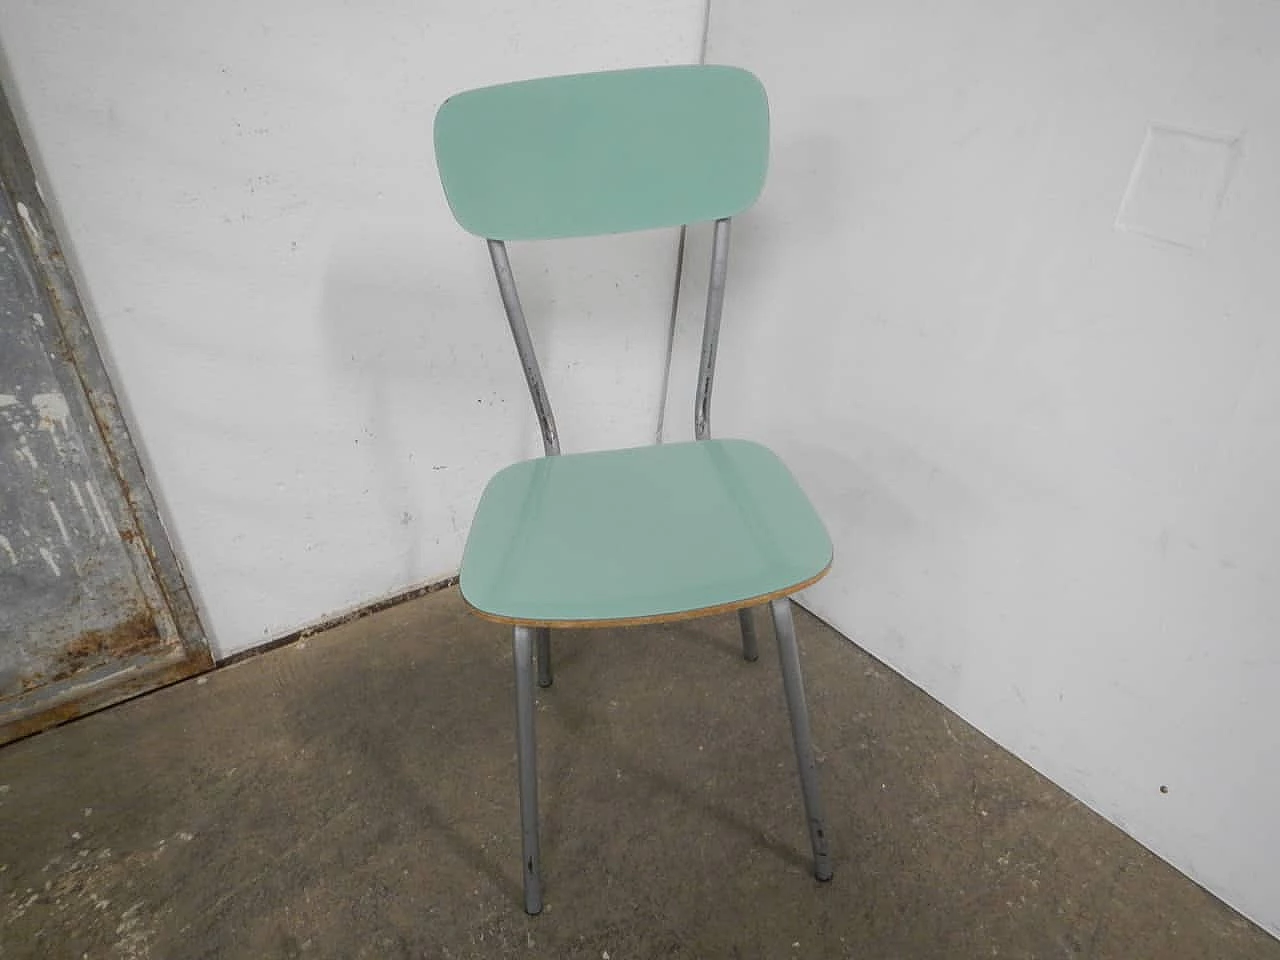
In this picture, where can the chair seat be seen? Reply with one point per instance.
(650, 533)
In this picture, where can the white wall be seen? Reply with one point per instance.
(311, 353)
(1047, 450)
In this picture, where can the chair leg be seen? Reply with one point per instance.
(527, 764)
(793, 685)
(543, 635)
(750, 648)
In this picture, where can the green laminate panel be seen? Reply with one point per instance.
(603, 153)
(644, 532)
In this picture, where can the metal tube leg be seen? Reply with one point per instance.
(526, 762)
(543, 635)
(750, 648)
(793, 684)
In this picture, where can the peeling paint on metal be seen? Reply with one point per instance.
(86, 616)
(25, 214)
(48, 558)
(57, 518)
(84, 509)
(23, 451)
(135, 635)
(52, 409)
(97, 504)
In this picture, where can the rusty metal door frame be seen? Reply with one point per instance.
(134, 506)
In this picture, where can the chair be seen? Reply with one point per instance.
(632, 536)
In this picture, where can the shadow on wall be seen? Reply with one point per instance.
(395, 346)
(884, 503)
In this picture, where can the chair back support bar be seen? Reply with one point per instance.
(524, 347)
(711, 330)
(529, 359)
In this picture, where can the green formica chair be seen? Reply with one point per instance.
(633, 536)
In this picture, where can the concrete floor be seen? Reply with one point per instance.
(353, 795)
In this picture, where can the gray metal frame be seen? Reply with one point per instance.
(524, 346)
(747, 626)
(544, 656)
(132, 503)
(711, 330)
(525, 638)
(793, 687)
(527, 764)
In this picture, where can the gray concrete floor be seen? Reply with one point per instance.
(352, 795)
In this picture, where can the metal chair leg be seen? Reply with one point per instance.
(543, 635)
(793, 685)
(750, 648)
(526, 762)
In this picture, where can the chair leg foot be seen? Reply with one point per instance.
(527, 766)
(543, 635)
(793, 687)
(750, 647)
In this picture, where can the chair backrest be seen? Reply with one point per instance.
(603, 153)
